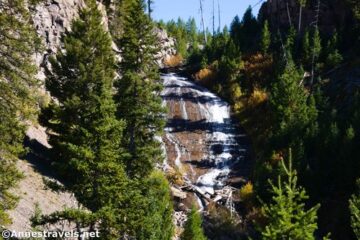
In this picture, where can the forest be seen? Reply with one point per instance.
(126, 132)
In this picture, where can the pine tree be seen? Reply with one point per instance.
(290, 41)
(138, 89)
(235, 30)
(306, 50)
(266, 38)
(355, 211)
(316, 43)
(249, 31)
(287, 215)
(193, 229)
(83, 130)
(334, 57)
(155, 205)
(192, 33)
(17, 90)
(291, 111)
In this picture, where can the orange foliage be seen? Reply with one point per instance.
(205, 76)
(257, 69)
(257, 98)
(173, 61)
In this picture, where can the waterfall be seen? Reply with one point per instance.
(200, 134)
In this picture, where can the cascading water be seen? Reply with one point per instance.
(200, 138)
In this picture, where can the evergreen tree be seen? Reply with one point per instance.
(289, 102)
(266, 38)
(306, 50)
(290, 42)
(193, 229)
(235, 30)
(334, 57)
(287, 216)
(156, 207)
(117, 15)
(249, 31)
(316, 44)
(84, 132)
(17, 90)
(137, 95)
(192, 33)
(355, 211)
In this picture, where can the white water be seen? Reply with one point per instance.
(223, 149)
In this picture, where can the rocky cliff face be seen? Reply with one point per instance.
(280, 13)
(52, 18)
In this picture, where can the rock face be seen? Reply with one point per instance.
(167, 46)
(33, 192)
(52, 18)
(333, 13)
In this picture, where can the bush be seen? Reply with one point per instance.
(246, 192)
(173, 61)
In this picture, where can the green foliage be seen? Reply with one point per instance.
(153, 205)
(290, 41)
(193, 229)
(316, 44)
(85, 134)
(291, 111)
(118, 14)
(306, 53)
(185, 33)
(334, 58)
(287, 215)
(355, 6)
(18, 93)
(266, 38)
(302, 3)
(354, 204)
(139, 87)
(244, 33)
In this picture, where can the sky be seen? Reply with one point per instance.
(172, 9)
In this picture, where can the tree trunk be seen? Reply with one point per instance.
(202, 21)
(300, 19)
(149, 8)
(288, 13)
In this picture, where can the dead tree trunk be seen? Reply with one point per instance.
(213, 18)
(316, 27)
(202, 21)
(219, 13)
(288, 13)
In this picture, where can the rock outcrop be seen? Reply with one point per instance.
(52, 18)
(280, 13)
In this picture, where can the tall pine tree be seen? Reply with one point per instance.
(138, 90)
(287, 215)
(193, 229)
(17, 90)
(265, 38)
(82, 126)
(292, 112)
